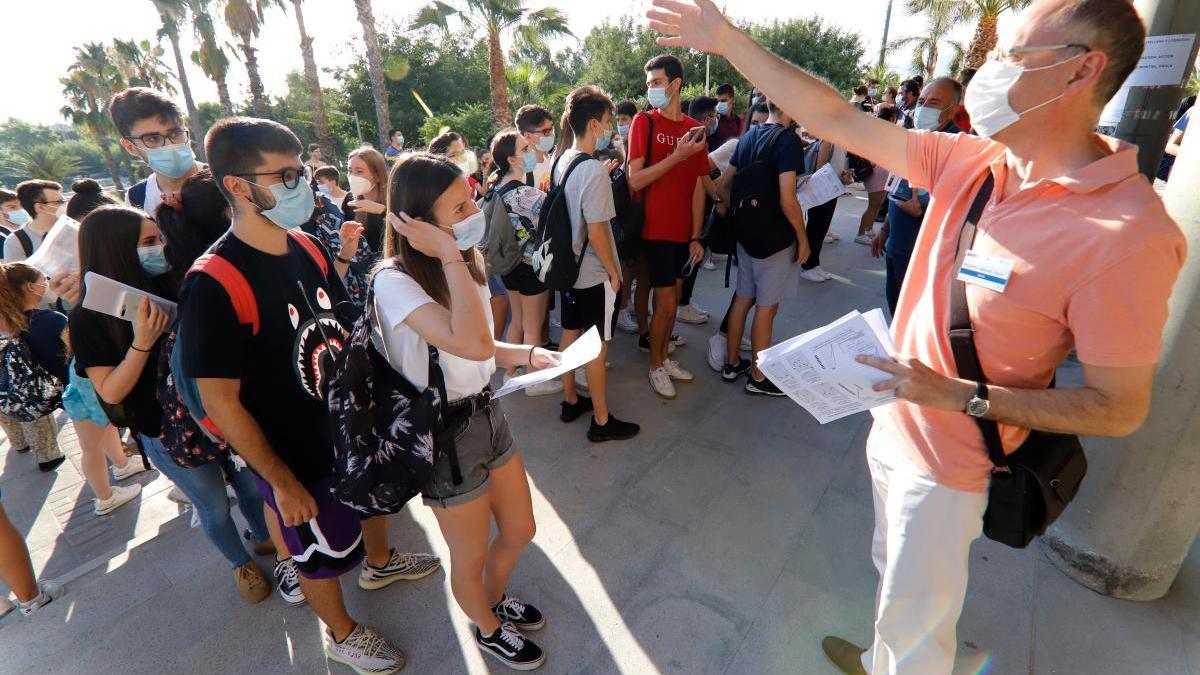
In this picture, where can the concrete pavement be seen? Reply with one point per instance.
(728, 538)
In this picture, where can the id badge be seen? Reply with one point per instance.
(988, 271)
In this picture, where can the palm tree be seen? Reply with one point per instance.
(46, 162)
(383, 116)
(926, 47)
(882, 74)
(210, 57)
(89, 83)
(172, 13)
(324, 133)
(245, 19)
(528, 81)
(497, 16)
(140, 65)
(985, 14)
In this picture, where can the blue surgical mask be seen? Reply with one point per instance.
(398, 141)
(603, 141)
(546, 143)
(926, 118)
(623, 129)
(723, 107)
(528, 161)
(153, 259)
(657, 96)
(18, 217)
(292, 207)
(469, 231)
(171, 160)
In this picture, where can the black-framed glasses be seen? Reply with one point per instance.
(548, 131)
(57, 202)
(157, 140)
(290, 177)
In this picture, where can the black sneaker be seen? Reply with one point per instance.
(521, 614)
(675, 341)
(573, 411)
(511, 647)
(763, 387)
(731, 371)
(47, 467)
(613, 430)
(550, 346)
(644, 342)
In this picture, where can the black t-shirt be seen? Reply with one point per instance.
(99, 340)
(283, 367)
(372, 229)
(45, 338)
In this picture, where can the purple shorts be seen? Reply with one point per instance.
(327, 546)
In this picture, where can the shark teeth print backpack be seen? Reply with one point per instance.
(27, 390)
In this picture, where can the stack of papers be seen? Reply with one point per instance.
(825, 184)
(818, 369)
(59, 250)
(581, 352)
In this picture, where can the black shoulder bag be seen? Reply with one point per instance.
(1032, 486)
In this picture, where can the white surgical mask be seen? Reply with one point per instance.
(324, 189)
(926, 118)
(360, 185)
(469, 231)
(723, 107)
(987, 97)
(657, 96)
(546, 143)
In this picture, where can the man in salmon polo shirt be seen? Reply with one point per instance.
(1093, 258)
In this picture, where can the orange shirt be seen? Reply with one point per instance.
(1095, 254)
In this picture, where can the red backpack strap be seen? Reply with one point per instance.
(245, 306)
(310, 247)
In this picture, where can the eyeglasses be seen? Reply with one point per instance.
(58, 202)
(1016, 54)
(290, 177)
(157, 140)
(548, 131)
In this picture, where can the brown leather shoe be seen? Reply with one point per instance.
(845, 655)
(251, 583)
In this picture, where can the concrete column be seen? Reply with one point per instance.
(1138, 512)
(1148, 113)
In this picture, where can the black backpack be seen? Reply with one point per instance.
(554, 258)
(631, 213)
(762, 228)
(384, 425)
(27, 390)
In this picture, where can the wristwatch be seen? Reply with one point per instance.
(979, 405)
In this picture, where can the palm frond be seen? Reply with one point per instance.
(434, 15)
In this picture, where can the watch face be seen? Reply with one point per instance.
(977, 407)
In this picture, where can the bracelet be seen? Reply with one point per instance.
(342, 260)
(695, 239)
(531, 355)
(451, 262)
(135, 348)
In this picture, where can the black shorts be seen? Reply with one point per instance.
(583, 308)
(665, 261)
(523, 280)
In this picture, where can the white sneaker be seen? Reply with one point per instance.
(134, 466)
(544, 388)
(677, 341)
(626, 322)
(717, 344)
(831, 237)
(691, 314)
(406, 566)
(825, 274)
(677, 372)
(581, 378)
(48, 591)
(709, 265)
(121, 494)
(176, 495)
(814, 275)
(660, 382)
(366, 651)
(745, 345)
(864, 239)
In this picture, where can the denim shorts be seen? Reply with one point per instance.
(496, 285)
(483, 444)
(79, 400)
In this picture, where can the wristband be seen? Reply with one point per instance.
(451, 262)
(531, 355)
(135, 348)
(695, 239)
(342, 260)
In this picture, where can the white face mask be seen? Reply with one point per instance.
(469, 231)
(926, 118)
(360, 185)
(987, 97)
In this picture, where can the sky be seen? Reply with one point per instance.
(44, 53)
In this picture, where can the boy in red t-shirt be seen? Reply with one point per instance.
(671, 187)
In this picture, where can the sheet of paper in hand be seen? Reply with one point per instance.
(818, 369)
(59, 251)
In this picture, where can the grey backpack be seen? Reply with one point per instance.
(503, 251)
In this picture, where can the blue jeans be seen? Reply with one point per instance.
(205, 486)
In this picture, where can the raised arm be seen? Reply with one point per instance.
(804, 97)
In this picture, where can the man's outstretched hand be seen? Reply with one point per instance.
(697, 24)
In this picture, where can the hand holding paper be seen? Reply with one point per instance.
(581, 352)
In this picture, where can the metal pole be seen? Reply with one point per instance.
(1138, 513)
(358, 128)
(1149, 111)
(707, 65)
(887, 22)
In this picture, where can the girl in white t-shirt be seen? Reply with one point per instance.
(432, 289)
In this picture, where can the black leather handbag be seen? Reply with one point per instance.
(1031, 487)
